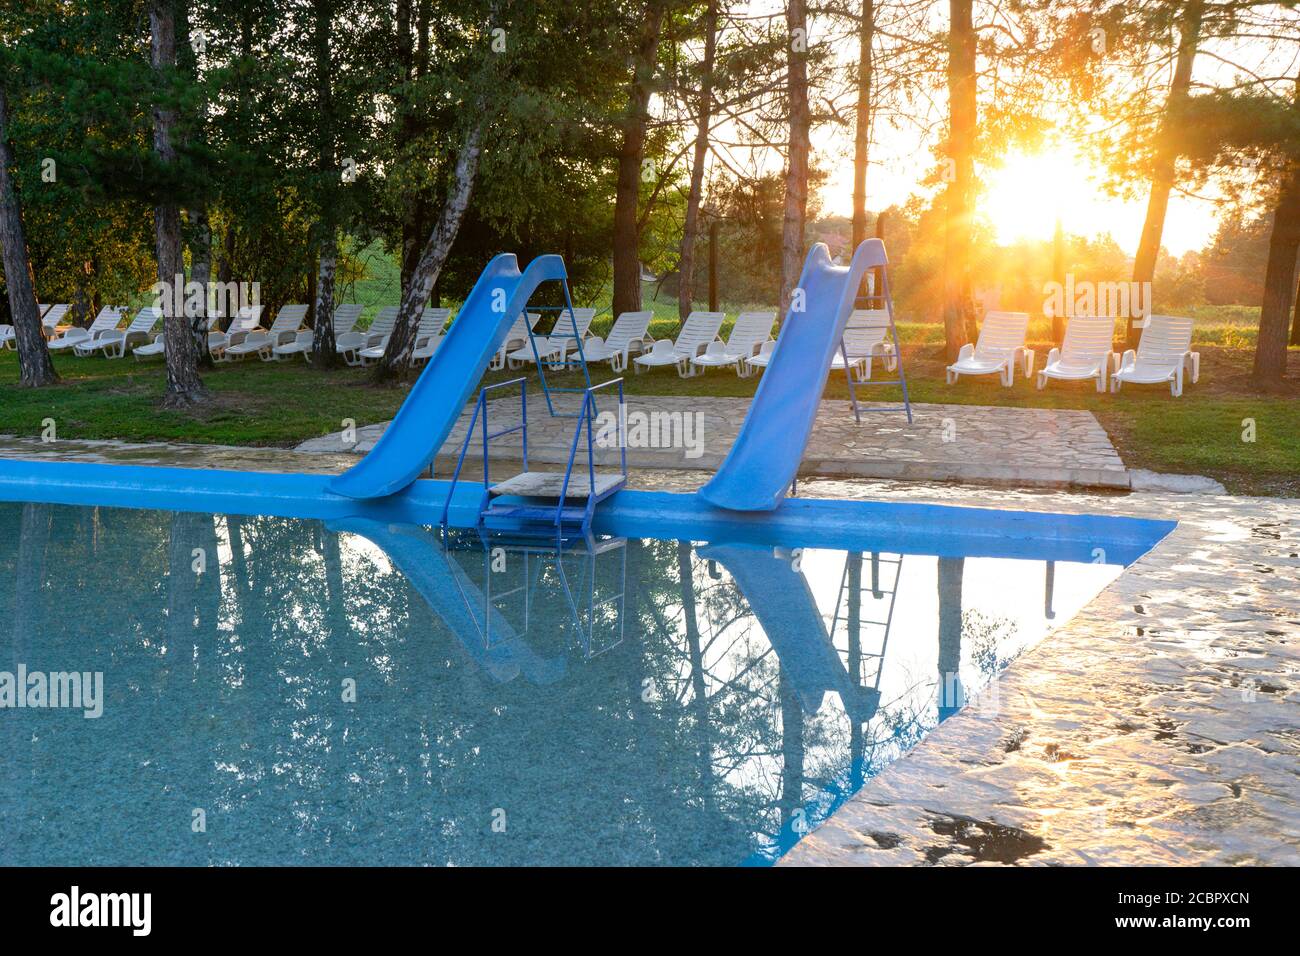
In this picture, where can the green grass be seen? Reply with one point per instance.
(281, 404)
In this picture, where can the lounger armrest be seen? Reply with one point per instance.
(1128, 359)
(255, 337)
(967, 352)
(238, 336)
(1053, 356)
(376, 338)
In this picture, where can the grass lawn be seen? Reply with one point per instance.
(257, 403)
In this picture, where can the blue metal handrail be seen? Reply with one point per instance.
(481, 407)
(585, 416)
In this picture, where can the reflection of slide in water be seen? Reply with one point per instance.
(486, 635)
(783, 602)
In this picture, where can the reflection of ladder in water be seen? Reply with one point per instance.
(525, 586)
(591, 647)
(867, 610)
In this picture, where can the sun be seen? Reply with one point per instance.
(1028, 192)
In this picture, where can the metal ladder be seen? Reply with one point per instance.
(543, 507)
(864, 302)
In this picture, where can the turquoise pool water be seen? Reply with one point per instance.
(279, 691)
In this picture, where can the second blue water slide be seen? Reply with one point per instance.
(765, 457)
(439, 395)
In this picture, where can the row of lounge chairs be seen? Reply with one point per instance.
(1164, 353)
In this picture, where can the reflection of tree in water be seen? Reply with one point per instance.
(986, 635)
(676, 744)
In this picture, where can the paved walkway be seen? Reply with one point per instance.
(1022, 446)
(1160, 726)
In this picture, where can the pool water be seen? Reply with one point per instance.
(279, 691)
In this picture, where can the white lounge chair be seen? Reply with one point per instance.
(50, 315)
(515, 338)
(350, 344)
(699, 329)
(157, 341)
(1164, 354)
(1085, 352)
(747, 336)
(554, 347)
(115, 342)
(345, 320)
(1001, 344)
(260, 341)
(756, 363)
(107, 320)
(864, 340)
(428, 336)
(246, 320)
(626, 336)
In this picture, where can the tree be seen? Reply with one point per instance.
(34, 365)
(1165, 158)
(631, 154)
(796, 177)
(703, 115)
(184, 387)
(958, 306)
(862, 121)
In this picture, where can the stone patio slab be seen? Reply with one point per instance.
(973, 443)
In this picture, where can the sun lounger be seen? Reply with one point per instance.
(1085, 352)
(626, 338)
(1001, 344)
(345, 320)
(749, 333)
(1164, 354)
(699, 329)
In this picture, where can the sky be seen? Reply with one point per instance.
(1028, 192)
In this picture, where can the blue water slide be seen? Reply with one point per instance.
(439, 395)
(765, 457)
(785, 607)
(484, 633)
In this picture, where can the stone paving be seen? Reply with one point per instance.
(1160, 726)
(1021, 446)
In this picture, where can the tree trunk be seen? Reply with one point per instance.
(1295, 322)
(183, 384)
(201, 274)
(323, 352)
(1279, 286)
(862, 122)
(1162, 174)
(704, 110)
(397, 355)
(796, 177)
(627, 230)
(958, 309)
(34, 365)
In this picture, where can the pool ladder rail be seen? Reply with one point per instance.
(543, 503)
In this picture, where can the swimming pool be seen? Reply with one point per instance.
(280, 690)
